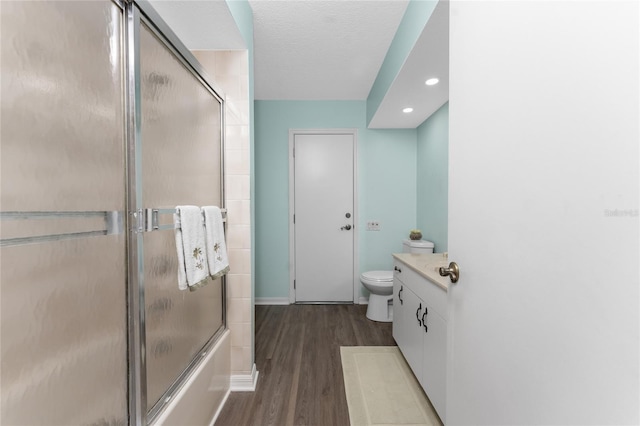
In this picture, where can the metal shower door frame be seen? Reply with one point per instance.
(137, 13)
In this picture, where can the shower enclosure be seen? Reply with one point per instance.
(108, 123)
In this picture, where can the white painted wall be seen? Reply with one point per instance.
(544, 146)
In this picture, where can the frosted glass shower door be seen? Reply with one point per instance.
(63, 274)
(181, 165)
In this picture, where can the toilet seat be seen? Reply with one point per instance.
(378, 277)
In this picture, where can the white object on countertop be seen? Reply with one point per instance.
(417, 246)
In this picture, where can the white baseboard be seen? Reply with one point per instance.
(285, 301)
(272, 301)
(245, 382)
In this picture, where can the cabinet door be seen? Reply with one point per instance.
(399, 314)
(411, 334)
(433, 378)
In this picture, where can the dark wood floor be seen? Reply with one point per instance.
(298, 357)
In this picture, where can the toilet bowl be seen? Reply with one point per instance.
(380, 286)
(380, 283)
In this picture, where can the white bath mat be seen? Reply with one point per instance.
(382, 390)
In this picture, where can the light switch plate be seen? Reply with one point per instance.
(373, 225)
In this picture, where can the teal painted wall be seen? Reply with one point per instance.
(386, 185)
(433, 178)
(415, 18)
(387, 173)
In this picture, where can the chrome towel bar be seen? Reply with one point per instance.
(144, 220)
(148, 220)
(113, 225)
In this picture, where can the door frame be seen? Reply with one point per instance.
(292, 257)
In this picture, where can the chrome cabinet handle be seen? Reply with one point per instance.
(452, 271)
(347, 227)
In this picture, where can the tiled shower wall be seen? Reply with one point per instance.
(230, 71)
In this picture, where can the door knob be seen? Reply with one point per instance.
(452, 271)
(347, 227)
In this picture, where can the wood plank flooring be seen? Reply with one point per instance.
(298, 357)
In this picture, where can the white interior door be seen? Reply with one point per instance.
(543, 213)
(323, 209)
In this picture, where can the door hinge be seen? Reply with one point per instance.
(294, 152)
(294, 284)
(294, 218)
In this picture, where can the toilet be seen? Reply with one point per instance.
(380, 284)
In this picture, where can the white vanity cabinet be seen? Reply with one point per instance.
(420, 329)
(407, 308)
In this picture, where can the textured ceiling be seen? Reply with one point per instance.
(325, 50)
(321, 50)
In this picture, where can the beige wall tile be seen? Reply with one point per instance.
(207, 59)
(237, 335)
(246, 310)
(229, 70)
(246, 357)
(237, 361)
(230, 83)
(239, 286)
(245, 185)
(245, 285)
(237, 187)
(235, 139)
(235, 235)
(239, 212)
(239, 236)
(235, 114)
(246, 334)
(235, 288)
(236, 163)
(239, 261)
(234, 311)
(232, 62)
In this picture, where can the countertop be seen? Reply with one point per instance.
(427, 265)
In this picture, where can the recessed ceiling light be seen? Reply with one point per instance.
(407, 110)
(431, 81)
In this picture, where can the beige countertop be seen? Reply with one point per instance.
(427, 265)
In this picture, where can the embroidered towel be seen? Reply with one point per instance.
(216, 246)
(190, 245)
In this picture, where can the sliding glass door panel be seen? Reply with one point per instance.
(181, 165)
(63, 279)
(63, 333)
(178, 323)
(62, 108)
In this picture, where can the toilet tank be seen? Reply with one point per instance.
(417, 246)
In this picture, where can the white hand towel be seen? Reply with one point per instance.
(193, 270)
(216, 246)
